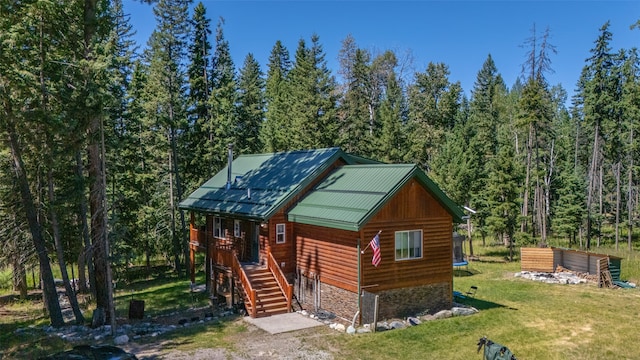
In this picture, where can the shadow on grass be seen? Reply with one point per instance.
(465, 272)
(162, 299)
(482, 304)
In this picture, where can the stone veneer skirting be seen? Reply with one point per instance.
(342, 303)
(395, 303)
(400, 303)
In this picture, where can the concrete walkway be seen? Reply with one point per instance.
(277, 324)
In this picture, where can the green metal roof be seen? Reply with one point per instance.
(262, 183)
(352, 194)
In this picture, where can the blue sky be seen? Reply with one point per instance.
(458, 33)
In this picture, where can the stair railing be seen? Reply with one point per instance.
(286, 288)
(246, 284)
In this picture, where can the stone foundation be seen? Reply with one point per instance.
(400, 303)
(342, 303)
(395, 303)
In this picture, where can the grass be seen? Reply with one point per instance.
(535, 320)
(161, 292)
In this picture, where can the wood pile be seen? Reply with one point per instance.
(582, 275)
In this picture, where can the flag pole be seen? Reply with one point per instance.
(369, 244)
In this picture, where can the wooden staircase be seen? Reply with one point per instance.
(270, 299)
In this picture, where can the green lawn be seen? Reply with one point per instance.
(535, 320)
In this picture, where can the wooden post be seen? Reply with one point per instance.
(192, 250)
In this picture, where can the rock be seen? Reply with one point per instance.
(397, 325)
(463, 311)
(363, 330)
(443, 314)
(414, 321)
(351, 330)
(304, 312)
(121, 340)
(182, 321)
(340, 327)
(428, 317)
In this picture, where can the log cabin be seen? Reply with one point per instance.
(297, 227)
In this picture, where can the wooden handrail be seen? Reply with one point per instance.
(246, 284)
(286, 288)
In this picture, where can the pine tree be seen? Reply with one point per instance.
(503, 192)
(251, 107)
(356, 133)
(630, 105)
(274, 133)
(168, 104)
(482, 125)
(222, 102)
(120, 133)
(433, 105)
(392, 144)
(569, 208)
(199, 72)
(597, 100)
(313, 100)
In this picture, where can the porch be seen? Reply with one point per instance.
(262, 286)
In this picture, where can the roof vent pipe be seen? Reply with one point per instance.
(229, 161)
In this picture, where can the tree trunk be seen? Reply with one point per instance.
(71, 295)
(175, 241)
(590, 188)
(630, 194)
(98, 232)
(19, 276)
(103, 286)
(618, 200)
(49, 288)
(87, 251)
(601, 204)
(181, 241)
(525, 198)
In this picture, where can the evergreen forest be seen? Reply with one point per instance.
(102, 139)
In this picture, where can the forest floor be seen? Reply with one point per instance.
(229, 336)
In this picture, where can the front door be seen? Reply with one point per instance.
(254, 245)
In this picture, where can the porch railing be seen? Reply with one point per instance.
(246, 284)
(286, 288)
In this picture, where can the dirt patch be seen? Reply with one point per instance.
(253, 343)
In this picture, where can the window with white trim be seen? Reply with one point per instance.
(236, 228)
(408, 244)
(218, 230)
(280, 234)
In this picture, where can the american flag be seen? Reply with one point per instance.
(375, 245)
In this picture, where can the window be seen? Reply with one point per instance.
(218, 230)
(280, 234)
(408, 244)
(236, 228)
